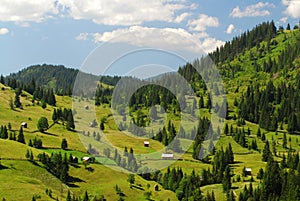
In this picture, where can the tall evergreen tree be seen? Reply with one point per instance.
(267, 154)
(21, 138)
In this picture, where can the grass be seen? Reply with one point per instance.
(21, 180)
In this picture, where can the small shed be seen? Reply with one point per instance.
(167, 156)
(86, 107)
(146, 144)
(24, 124)
(248, 171)
(88, 159)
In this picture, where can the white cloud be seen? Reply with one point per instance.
(163, 38)
(284, 19)
(203, 22)
(202, 34)
(181, 17)
(82, 36)
(230, 29)
(210, 44)
(27, 10)
(293, 8)
(4, 31)
(115, 12)
(254, 10)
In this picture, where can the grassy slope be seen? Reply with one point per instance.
(23, 179)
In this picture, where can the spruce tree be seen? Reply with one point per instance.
(267, 155)
(64, 144)
(226, 180)
(21, 136)
(85, 196)
(284, 141)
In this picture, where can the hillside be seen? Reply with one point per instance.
(59, 78)
(261, 73)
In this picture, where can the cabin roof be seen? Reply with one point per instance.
(167, 155)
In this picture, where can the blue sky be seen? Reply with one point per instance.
(67, 31)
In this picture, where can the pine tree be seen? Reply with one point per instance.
(70, 121)
(27, 155)
(21, 136)
(272, 181)
(226, 180)
(284, 141)
(260, 174)
(85, 196)
(267, 155)
(17, 102)
(102, 126)
(54, 115)
(226, 129)
(292, 123)
(2, 79)
(30, 143)
(11, 104)
(69, 196)
(258, 134)
(64, 144)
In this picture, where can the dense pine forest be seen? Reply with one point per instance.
(260, 71)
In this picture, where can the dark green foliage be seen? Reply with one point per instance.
(266, 30)
(42, 75)
(267, 154)
(131, 179)
(201, 133)
(227, 180)
(21, 137)
(17, 102)
(56, 165)
(64, 115)
(102, 126)
(3, 132)
(284, 141)
(42, 124)
(36, 143)
(240, 137)
(254, 145)
(226, 129)
(70, 121)
(272, 181)
(260, 174)
(128, 162)
(64, 144)
(2, 81)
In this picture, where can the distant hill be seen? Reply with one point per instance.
(58, 77)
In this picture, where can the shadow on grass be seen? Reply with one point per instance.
(137, 187)
(74, 165)
(72, 185)
(75, 179)
(2, 167)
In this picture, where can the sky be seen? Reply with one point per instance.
(68, 32)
